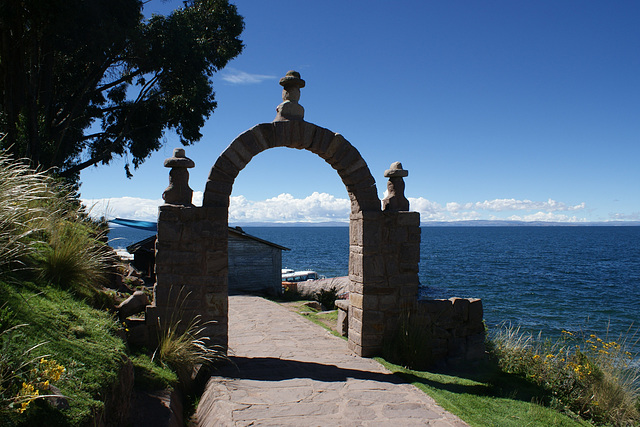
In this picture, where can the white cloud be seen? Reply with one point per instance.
(323, 207)
(318, 207)
(238, 77)
(546, 217)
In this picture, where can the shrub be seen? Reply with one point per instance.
(587, 375)
(327, 297)
(75, 257)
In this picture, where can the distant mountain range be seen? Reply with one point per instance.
(471, 223)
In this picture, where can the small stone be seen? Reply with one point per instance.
(136, 303)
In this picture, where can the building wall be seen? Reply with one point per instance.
(254, 267)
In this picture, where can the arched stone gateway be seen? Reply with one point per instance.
(384, 245)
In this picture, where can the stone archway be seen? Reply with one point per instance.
(191, 248)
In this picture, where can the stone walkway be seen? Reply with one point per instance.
(290, 372)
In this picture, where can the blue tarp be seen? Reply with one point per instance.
(142, 225)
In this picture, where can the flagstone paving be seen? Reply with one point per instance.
(291, 372)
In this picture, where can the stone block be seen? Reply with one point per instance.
(169, 231)
(263, 134)
(217, 304)
(240, 148)
(251, 144)
(349, 159)
(388, 302)
(213, 199)
(356, 284)
(357, 172)
(225, 165)
(234, 157)
(337, 143)
(356, 300)
(457, 347)
(343, 322)
(411, 219)
(321, 140)
(373, 266)
(475, 311)
(216, 263)
(461, 308)
(219, 186)
(168, 213)
(282, 134)
(179, 258)
(475, 347)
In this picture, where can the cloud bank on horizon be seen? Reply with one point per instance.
(323, 207)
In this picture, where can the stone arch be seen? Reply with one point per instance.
(330, 146)
(354, 173)
(191, 245)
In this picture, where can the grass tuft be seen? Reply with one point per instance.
(183, 347)
(584, 374)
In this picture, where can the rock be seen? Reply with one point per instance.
(343, 317)
(56, 399)
(136, 303)
(313, 304)
(310, 288)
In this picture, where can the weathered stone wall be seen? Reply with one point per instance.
(454, 328)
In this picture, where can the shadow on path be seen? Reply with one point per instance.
(273, 369)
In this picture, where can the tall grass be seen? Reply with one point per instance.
(75, 257)
(43, 227)
(23, 212)
(585, 374)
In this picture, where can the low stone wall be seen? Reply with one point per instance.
(455, 329)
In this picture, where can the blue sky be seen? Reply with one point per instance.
(523, 110)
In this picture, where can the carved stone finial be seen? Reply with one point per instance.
(395, 200)
(178, 191)
(289, 109)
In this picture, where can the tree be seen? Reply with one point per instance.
(83, 81)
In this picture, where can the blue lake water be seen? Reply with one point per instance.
(542, 278)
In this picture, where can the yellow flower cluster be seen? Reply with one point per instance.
(27, 394)
(51, 370)
(45, 372)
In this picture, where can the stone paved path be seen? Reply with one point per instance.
(291, 372)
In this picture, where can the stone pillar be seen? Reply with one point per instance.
(191, 260)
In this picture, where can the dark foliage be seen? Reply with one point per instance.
(84, 81)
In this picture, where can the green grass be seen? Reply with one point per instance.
(486, 398)
(82, 339)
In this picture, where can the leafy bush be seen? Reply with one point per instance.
(587, 375)
(327, 297)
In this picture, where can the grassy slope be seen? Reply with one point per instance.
(84, 340)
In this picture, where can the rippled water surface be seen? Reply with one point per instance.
(543, 278)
